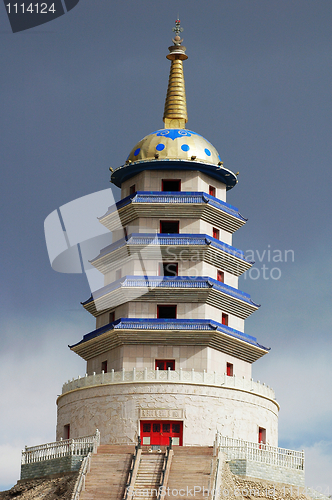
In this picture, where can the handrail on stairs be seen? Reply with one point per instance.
(165, 471)
(80, 481)
(133, 471)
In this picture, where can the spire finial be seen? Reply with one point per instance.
(177, 27)
(175, 112)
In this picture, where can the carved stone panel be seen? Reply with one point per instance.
(161, 414)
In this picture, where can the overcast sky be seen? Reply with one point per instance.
(78, 93)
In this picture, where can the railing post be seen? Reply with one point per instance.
(215, 445)
(134, 374)
(157, 373)
(96, 441)
(72, 446)
(193, 374)
(112, 375)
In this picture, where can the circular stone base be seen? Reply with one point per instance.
(117, 409)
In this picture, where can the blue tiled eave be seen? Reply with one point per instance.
(171, 282)
(172, 239)
(175, 197)
(218, 172)
(171, 324)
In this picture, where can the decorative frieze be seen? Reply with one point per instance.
(161, 414)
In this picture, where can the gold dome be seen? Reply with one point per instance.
(174, 144)
(174, 147)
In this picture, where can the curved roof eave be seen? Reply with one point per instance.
(218, 172)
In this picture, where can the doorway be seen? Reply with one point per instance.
(158, 432)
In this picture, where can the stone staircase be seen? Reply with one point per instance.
(108, 473)
(190, 472)
(148, 476)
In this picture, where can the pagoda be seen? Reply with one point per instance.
(169, 356)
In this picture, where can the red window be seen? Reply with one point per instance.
(104, 366)
(66, 431)
(220, 276)
(176, 428)
(164, 364)
(171, 185)
(229, 369)
(212, 190)
(111, 317)
(132, 189)
(159, 432)
(262, 435)
(155, 427)
(168, 269)
(169, 226)
(215, 233)
(146, 428)
(224, 319)
(166, 311)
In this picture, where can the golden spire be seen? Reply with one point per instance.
(175, 112)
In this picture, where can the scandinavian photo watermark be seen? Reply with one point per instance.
(267, 263)
(77, 241)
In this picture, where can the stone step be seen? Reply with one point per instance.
(192, 450)
(144, 475)
(148, 476)
(108, 473)
(116, 449)
(191, 467)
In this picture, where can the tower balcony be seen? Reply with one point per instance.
(172, 332)
(180, 376)
(181, 247)
(169, 289)
(196, 205)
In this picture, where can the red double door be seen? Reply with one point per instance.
(158, 432)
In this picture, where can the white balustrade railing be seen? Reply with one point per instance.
(173, 376)
(66, 447)
(258, 452)
(80, 482)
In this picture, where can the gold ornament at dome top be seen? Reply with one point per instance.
(175, 111)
